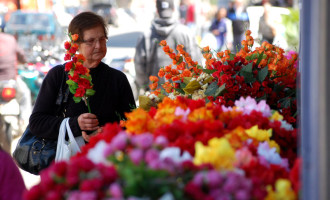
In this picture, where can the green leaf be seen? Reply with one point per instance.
(90, 92)
(181, 91)
(70, 82)
(247, 68)
(285, 103)
(248, 77)
(208, 80)
(186, 80)
(211, 89)
(220, 90)
(209, 71)
(231, 56)
(192, 86)
(72, 89)
(260, 58)
(262, 74)
(77, 99)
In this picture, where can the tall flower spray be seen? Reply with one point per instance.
(80, 81)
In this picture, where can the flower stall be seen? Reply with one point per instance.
(223, 131)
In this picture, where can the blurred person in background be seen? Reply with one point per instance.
(149, 56)
(11, 55)
(221, 28)
(12, 185)
(240, 22)
(267, 30)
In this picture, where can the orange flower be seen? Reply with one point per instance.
(206, 49)
(163, 43)
(153, 79)
(161, 73)
(153, 86)
(74, 37)
(186, 73)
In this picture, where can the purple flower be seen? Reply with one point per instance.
(161, 141)
(143, 141)
(115, 190)
(78, 195)
(199, 178)
(231, 182)
(120, 141)
(242, 195)
(214, 178)
(136, 155)
(151, 155)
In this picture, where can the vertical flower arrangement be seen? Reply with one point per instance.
(80, 81)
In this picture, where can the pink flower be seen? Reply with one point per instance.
(136, 155)
(143, 141)
(151, 155)
(161, 141)
(115, 190)
(119, 142)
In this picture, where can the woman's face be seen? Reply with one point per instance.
(93, 47)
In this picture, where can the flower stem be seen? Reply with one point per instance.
(89, 108)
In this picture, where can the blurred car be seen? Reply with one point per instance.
(39, 26)
(107, 11)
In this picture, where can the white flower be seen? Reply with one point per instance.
(96, 154)
(174, 153)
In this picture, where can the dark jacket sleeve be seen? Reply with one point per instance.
(43, 120)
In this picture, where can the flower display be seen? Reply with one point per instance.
(80, 81)
(184, 149)
(264, 73)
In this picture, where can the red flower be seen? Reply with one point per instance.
(67, 45)
(84, 83)
(80, 92)
(67, 57)
(68, 66)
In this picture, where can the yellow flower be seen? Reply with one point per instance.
(259, 134)
(276, 116)
(200, 114)
(218, 153)
(283, 190)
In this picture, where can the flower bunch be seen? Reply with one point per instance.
(80, 81)
(188, 149)
(264, 73)
(78, 179)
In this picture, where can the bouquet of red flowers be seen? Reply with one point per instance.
(80, 81)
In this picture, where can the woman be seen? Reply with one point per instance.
(113, 95)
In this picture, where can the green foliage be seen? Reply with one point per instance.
(142, 181)
(291, 24)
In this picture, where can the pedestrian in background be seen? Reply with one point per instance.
(221, 28)
(149, 56)
(240, 22)
(10, 56)
(267, 30)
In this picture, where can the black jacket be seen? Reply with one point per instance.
(113, 97)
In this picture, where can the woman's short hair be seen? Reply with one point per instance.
(85, 21)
